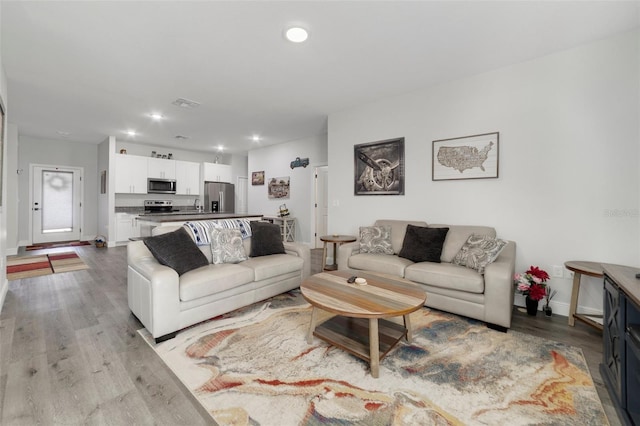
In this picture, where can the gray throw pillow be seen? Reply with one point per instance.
(423, 244)
(226, 246)
(479, 251)
(176, 250)
(266, 239)
(375, 239)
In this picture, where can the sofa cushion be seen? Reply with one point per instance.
(226, 246)
(265, 267)
(266, 239)
(398, 229)
(423, 244)
(457, 236)
(375, 239)
(445, 275)
(213, 279)
(176, 250)
(479, 251)
(387, 263)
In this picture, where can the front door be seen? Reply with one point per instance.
(56, 203)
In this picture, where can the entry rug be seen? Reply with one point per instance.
(34, 266)
(57, 245)
(254, 367)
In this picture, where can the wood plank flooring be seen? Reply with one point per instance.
(70, 353)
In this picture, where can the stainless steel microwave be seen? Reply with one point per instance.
(161, 186)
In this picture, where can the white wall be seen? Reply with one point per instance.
(275, 161)
(11, 195)
(569, 149)
(60, 153)
(4, 284)
(106, 200)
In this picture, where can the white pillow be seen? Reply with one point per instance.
(375, 239)
(226, 246)
(479, 251)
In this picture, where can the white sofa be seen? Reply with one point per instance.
(486, 297)
(165, 302)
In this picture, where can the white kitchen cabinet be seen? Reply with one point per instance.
(131, 174)
(216, 172)
(187, 178)
(127, 226)
(160, 168)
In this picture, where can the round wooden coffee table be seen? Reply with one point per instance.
(359, 326)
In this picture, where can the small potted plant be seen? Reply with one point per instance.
(547, 307)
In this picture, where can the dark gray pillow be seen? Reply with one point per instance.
(176, 250)
(423, 244)
(266, 239)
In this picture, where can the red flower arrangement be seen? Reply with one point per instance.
(532, 283)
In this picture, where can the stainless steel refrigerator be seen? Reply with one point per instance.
(219, 197)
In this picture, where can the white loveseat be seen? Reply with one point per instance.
(486, 297)
(165, 302)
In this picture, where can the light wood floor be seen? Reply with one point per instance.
(70, 353)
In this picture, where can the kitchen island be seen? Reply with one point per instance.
(148, 221)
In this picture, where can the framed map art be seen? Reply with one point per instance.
(466, 157)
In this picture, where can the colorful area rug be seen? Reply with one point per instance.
(34, 266)
(254, 367)
(57, 245)
(27, 267)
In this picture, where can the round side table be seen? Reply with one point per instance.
(336, 240)
(579, 268)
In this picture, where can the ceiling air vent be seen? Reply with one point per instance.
(181, 137)
(185, 103)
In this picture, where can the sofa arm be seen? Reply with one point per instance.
(345, 251)
(302, 251)
(153, 291)
(498, 287)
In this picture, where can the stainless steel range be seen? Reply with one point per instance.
(158, 206)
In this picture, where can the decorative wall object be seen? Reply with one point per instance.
(379, 168)
(257, 178)
(299, 162)
(467, 157)
(279, 187)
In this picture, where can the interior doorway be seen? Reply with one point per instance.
(56, 203)
(321, 211)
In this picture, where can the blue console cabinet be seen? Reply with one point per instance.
(620, 366)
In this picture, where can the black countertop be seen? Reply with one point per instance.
(185, 217)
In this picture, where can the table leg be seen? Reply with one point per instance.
(324, 256)
(575, 291)
(312, 326)
(407, 325)
(374, 347)
(335, 256)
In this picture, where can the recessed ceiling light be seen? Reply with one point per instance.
(156, 116)
(220, 147)
(255, 138)
(297, 34)
(63, 133)
(131, 132)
